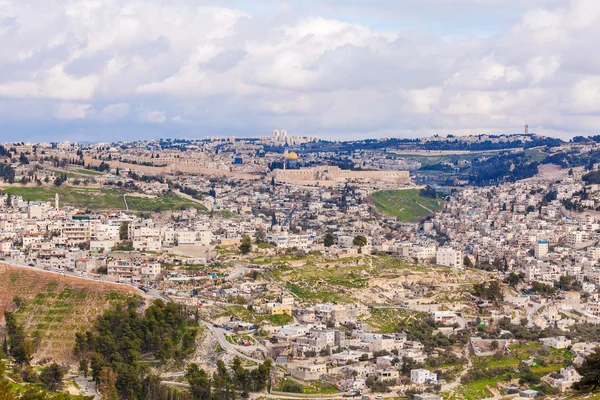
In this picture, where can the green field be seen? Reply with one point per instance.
(406, 205)
(102, 199)
(88, 172)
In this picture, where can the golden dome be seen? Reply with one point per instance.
(292, 156)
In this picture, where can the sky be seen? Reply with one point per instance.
(107, 70)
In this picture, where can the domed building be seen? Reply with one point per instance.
(291, 160)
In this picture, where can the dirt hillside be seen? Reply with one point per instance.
(55, 307)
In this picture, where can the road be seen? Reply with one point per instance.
(225, 345)
(457, 381)
(240, 272)
(86, 387)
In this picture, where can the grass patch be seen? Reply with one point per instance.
(406, 205)
(88, 172)
(387, 320)
(103, 199)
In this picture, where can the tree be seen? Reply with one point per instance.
(8, 200)
(589, 371)
(328, 239)
(83, 366)
(23, 159)
(467, 262)
(514, 279)
(52, 376)
(198, 381)
(107, 387)
(360, 241)
(19, 347)
(260, 236)
(246, 245)
(124, 231)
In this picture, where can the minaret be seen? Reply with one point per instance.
(526, 129)
(56, 202)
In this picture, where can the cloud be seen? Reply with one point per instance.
(154, 116)
(368, 68)
(71, 110)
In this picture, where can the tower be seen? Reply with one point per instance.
(526, 129)
(56, 202)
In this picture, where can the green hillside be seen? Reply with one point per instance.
(102, 199)
(406, 205)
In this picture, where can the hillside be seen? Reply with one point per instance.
(406, 205)
(103, 199)
(54, 307)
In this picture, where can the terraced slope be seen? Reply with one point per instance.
(55, 307)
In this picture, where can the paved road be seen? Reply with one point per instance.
(240, 272)
(228, 347)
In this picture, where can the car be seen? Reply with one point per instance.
(379, 396)
(46, 268)
(31, 265)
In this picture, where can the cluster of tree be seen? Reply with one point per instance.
(60, 179)
(360, 241)
(484, 373)
(102, 167)
(328, 239)
(572, 158)
(491, 291)
(590, 372)
(592, 177)
(246, 245)
(442, 167)
(20, 348)
(7, 173)
(514, 279)
(550, 196)
(224, 383)
(428, 191)
(421, 328)
(113, 350)
(542, 288)
(568, 283)
(502, 167)
(146, 178)
(379, 385)
(23, 159)
(196, 194)
(18, 345)
(489, 145)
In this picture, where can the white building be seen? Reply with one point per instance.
(422, 376)
(541, 248)
(449, 257)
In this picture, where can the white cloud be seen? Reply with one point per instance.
(224, 68)
(154, 116)
(71, 110)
